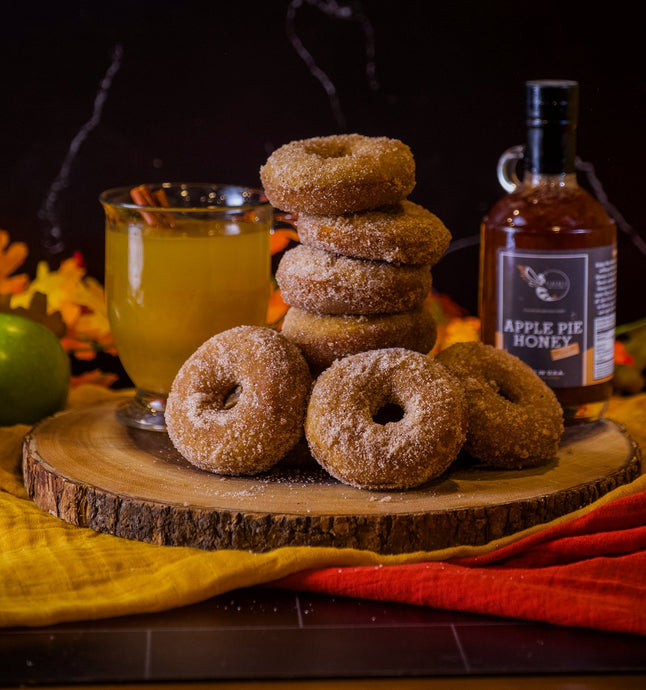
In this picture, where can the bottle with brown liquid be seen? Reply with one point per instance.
(548, 261)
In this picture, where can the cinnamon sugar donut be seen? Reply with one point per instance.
(319, 281)
(237, 405)
(341, 173)
(402, 234)
(515, 419)
(324, 337)
(346, 437)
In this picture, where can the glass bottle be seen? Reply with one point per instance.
(548, 260)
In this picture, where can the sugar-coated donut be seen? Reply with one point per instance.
(406, 233)
(319, 281)
(237, 405)
(341, 173)
(325, 337)
(346, 437)
(515, 419)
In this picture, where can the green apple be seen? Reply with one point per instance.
(34, 371)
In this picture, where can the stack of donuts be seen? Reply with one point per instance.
(359, 277)
(350, 371)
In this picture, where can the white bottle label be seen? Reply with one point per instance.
(556, 312)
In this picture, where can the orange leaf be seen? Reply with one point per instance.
(276, 309)
(443, 308)
(622, 356)
(457, 330)
(280, 238)
(11, 257)
(95, 377)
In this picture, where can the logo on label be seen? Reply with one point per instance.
(551, 285)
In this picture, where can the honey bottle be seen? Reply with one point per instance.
(548, 260)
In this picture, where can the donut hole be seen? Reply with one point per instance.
(506, 392)
(230, 398)
(389, 412)
(326, 149)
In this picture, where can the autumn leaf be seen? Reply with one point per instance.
(457, 330)
(96, 377)
(85, 348)
(80, 302)
(276, 308)
(93, 319)
(622, 356)
(11, 257)
(57, 286)
(36, 310)
(443, 309)
(283, 231)
(280, 238)
(454, 324)
(90, 333)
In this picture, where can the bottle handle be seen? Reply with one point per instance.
(507, 167)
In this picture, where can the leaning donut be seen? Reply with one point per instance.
(402, 234)
(347, 438)
(323, 338)
(237, 405)
(326, 283)
(341, 173)
(515, 419)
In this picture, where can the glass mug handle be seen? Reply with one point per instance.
(507, 166)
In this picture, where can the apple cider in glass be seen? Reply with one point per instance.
(177, 275)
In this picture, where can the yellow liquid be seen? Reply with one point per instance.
(169, 291)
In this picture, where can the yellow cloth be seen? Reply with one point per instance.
(52, 572)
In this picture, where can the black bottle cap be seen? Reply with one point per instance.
(552, 110)
(552, 101)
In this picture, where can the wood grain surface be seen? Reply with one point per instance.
(86, 468)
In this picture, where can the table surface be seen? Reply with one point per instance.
(275, 638)
(264, 639)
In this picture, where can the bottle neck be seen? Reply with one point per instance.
(536, 179)
(551, 149)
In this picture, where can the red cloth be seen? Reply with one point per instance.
(588, 572)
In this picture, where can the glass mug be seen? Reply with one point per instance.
(186, 262)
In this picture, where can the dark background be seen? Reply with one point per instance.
(102, 94)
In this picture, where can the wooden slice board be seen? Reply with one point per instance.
(86, 468)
